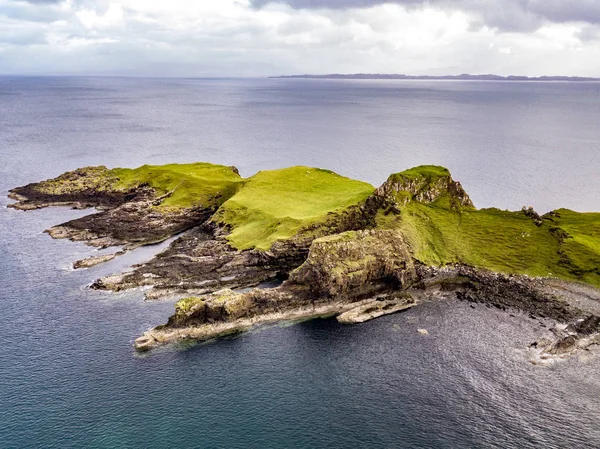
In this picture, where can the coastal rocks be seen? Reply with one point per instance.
(139, 206)
(506, 292)
(356, 263)
(163, 335)
(359, 275)
(227, 305)
(579, 329)
(576, 336)
(362, 275)
(201, 261)
(133, 224)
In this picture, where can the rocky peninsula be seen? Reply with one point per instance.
(339, 247)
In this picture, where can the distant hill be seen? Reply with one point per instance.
(464, 76)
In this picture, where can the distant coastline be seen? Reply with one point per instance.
(464, 76)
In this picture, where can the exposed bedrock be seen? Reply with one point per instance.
(138, 206)
(198, 262)
(132, 224)
(202, 260)
(362, 270)
(355, 263)
(313, 294)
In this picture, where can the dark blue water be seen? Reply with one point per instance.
(69, 376)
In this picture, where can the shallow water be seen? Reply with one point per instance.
(69, 376)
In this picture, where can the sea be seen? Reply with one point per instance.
(70, 378)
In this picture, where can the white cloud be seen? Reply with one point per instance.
(91, 19)
(233, 38)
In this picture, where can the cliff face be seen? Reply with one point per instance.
(356, 263)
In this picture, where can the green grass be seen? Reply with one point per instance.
(277, 204)
(502, 241)
(580, 250)
(192, 185)
(429, 172)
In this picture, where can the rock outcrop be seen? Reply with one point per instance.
(356, 263)
(425, 184)
(200, 262)
(134, 212)
(360, 271)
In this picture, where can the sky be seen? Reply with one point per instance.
(248, 38)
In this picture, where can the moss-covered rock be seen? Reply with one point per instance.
(424, 184)
(356, 262)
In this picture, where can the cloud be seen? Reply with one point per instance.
(589, 34)
(48, 2)
(240, 38)
(506, 15)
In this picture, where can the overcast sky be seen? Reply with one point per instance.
(264, 37)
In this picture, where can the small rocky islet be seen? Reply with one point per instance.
(339, 247)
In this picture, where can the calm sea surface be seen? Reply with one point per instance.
(69, 376)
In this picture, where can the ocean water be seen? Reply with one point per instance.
(69, 376)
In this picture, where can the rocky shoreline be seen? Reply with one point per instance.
(367, 259)
(575, 328)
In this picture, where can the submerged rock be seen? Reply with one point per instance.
(376, 309)
(96, 260)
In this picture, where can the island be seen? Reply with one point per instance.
(461, 77)
(303, 242)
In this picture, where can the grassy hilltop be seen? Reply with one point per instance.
(276, 204)
(445, 228)
(188, 185)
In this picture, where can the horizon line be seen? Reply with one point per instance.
(356, 76)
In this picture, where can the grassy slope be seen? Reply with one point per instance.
(581, 249)
(198, 184)
(276, 204)
(502, 241)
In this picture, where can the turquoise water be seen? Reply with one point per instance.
(69, 376)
